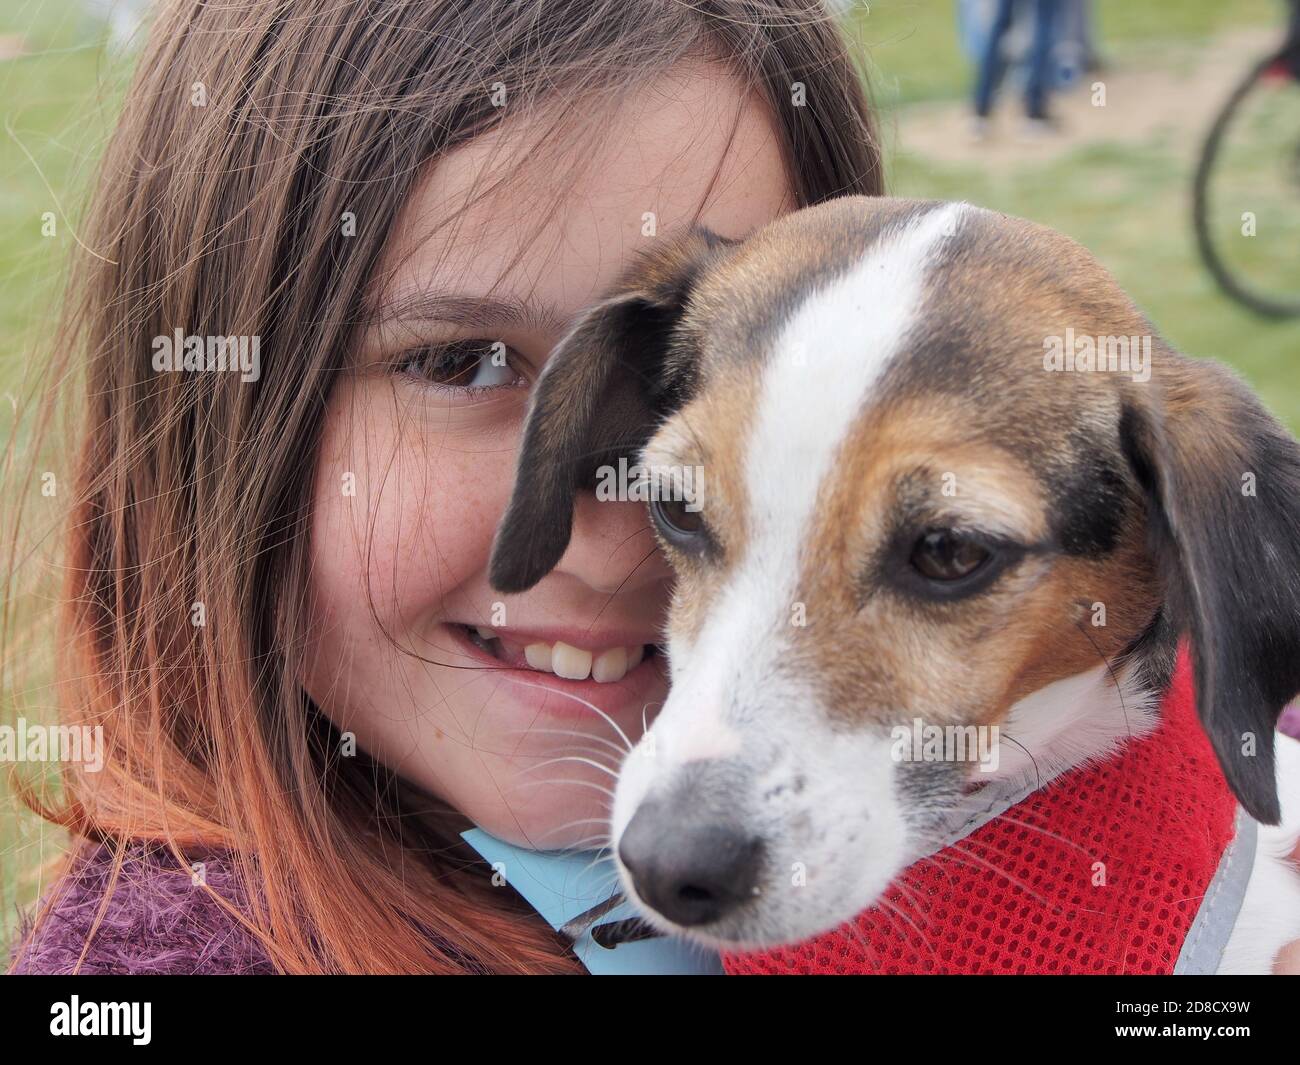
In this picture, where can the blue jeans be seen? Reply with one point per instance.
(993, 66)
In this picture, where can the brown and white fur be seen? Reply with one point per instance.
(852, 378)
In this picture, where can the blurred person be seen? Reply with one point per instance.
(993, 64)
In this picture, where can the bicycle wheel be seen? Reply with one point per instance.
(1246, 196)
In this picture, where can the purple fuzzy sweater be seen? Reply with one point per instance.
(158, 921)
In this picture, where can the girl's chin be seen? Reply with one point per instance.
(527, 694)
(566, 821)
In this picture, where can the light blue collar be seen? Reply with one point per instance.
(562, 886)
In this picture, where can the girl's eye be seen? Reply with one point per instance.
(467, 365)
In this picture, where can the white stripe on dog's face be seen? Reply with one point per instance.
(819, 377)
(736, 697)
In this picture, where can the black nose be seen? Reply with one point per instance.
(690, 870)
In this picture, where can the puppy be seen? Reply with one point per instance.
(919, 490)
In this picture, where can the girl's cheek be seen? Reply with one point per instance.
(405, 512)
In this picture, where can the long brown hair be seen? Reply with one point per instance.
(249, 132)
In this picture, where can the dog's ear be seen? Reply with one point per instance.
(1222, 480)
(605, 387)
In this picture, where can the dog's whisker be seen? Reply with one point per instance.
(577, 699)
(1114, 677)
(932, 859)
(1045, 832)
(551, 761)
(583, 846)
(899, 913)
(858, 936)
(998, 872)
(1038, 776)
(566, 780)
(574, 758)
(909, 893)
(570, 733)
(599, 858)
(574, 824)
(1025, 888)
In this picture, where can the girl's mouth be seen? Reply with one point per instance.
(560, 665)
(604, 665)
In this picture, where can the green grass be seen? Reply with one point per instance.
(56, 108)
(916, 55)
(1132, 209)
(1129, 205)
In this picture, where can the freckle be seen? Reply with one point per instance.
(437, 734)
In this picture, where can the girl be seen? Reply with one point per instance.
(331, 246)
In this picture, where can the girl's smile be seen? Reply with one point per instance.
(609, 673)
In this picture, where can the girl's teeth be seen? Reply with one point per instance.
(539, 656)
(609, 665)
(573, 663)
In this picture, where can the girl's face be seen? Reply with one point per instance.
(418, 456)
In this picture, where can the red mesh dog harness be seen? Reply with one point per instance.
(1101, 871)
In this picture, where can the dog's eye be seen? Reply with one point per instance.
(945, 556)
(678, 524)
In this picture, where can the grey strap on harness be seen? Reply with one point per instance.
(1203, 948)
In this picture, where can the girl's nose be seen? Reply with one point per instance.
(613, 547)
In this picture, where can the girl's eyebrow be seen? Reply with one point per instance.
(476, 312)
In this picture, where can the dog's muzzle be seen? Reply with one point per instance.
(687, 867)
(687, 852)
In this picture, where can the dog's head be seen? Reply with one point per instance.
(951, 477)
